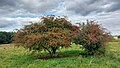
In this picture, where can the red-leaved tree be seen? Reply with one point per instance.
(50, 34)
(93, 38)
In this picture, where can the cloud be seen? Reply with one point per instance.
(40, 7)
(15, 23)
(86, 7)
(6, 23)
(14, 14)
(114, 5)
(110, 21)
(26, 7)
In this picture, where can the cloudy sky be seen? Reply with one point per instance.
(16, 13)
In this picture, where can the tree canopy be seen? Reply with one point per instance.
(6, 37)
(50, 34)
(93, 38)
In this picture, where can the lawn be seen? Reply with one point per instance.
(13, 57)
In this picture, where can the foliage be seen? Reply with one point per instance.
(93, 38)
(6, 37)
(119, 36)
(50, 34)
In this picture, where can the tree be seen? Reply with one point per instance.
(50, 34)
(119, 36)
(93, 38)
(6, 37)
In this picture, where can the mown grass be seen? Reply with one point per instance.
(11, 57)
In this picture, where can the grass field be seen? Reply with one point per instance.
(11, 57)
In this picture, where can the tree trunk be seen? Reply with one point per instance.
(54, 50)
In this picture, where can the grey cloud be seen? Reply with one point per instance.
(15, 23)
(110, 21)
(115, 6)
(8, 2)
(39, 5)
(105, 11)
(6, 23)
(112, 25)
(10, 7)
(85, 7)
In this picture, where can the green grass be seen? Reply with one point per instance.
(11, 57)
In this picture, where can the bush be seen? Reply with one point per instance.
(6, 37)
(50, 34)
(93, 38)
(119, 36)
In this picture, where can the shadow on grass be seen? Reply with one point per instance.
(64, 54)
(45, 56)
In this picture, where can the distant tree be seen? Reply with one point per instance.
(119, 36)
(50, 34)
(93, 38)
(6, 37)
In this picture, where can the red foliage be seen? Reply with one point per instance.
(50, 34)
(93, 38)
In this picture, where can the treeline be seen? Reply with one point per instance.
(6, 37)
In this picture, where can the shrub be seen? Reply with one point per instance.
(119, 36)
(93, 38)
(50, 34)
(6, 37)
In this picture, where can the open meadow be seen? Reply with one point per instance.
(13, 57)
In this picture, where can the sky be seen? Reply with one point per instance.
(14, 14)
